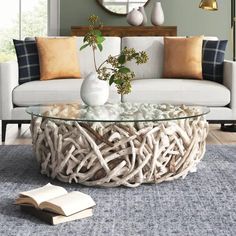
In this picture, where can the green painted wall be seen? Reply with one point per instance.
(189, 19)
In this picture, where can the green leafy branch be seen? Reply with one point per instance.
(117, 72)
(94, 37)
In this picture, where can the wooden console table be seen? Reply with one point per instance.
(125, 31)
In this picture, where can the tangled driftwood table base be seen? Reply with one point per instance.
(110, 154)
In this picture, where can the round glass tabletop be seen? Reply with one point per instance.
(118, 112)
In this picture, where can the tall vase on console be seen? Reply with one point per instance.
(94, 92)
(141, 9)
(157, 16)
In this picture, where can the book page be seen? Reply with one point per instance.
(70, 203)
(44, 193)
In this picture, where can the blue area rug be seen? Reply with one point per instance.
(204, 203)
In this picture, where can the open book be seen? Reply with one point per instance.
(56, 199)
(53, 218)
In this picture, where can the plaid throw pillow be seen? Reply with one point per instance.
(213, 53)
(28, 60)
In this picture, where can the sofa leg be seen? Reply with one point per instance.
(4, 128)
(228, 128)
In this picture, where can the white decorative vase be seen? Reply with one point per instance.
(135, 17)
(157, 17)
(94, 92)
(141, 9)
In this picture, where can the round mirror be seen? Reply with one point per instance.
(122, 7)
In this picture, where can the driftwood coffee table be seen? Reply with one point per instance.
(118, 144)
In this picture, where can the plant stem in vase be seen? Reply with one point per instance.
(122, 99)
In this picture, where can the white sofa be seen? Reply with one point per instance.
(149, 86)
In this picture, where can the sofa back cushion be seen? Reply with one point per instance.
(111, 46)
(155, 48)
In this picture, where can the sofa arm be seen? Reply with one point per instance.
(8, 81)
(229, 81)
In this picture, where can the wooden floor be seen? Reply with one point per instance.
(22, 136)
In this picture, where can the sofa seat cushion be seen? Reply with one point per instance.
(179, 91)
(175, 91)
(48, 91)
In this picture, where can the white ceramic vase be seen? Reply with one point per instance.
(141, 9)
(157, 17)
(94, 92)
(135, 17)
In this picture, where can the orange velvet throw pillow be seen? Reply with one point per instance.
(183, 57)
(58, 58)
